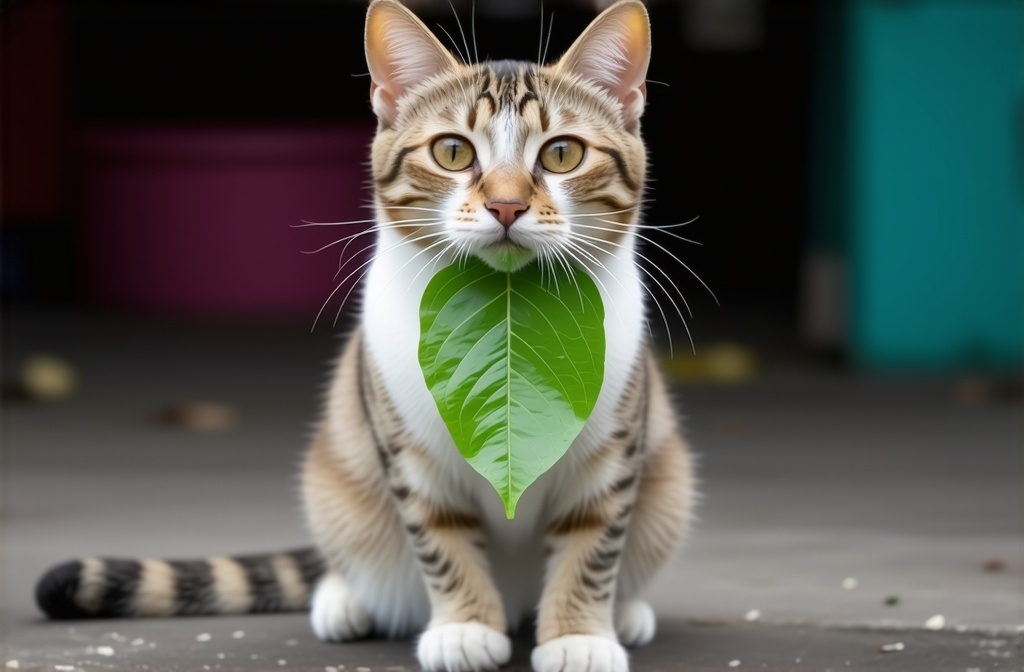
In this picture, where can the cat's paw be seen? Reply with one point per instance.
(580, 653)
(463, 647)
(635, 623)
(335, 614)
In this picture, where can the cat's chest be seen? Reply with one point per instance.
(395, 285)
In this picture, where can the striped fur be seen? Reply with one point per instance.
(410, 540)
(114, 588)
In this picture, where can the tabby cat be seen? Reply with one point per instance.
(509, 162)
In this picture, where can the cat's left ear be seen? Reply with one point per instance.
(401, 52)
(613, 52)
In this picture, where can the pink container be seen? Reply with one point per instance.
(199, 220)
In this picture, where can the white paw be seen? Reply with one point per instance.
(635, 623)
(463, 647)
(335, 615)
(580, 653)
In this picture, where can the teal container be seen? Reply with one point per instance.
(934, 182)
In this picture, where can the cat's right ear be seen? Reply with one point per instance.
(401, 52)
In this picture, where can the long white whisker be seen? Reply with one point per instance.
(571, 251)
(372, 229)
(365, 263)
(454, 44)
(429, 264)
(671, 299)
(638, 235)
(547, 43)
(472, 26)
(411, 259)
(679, 261)
(637, 253)
(462, 32)
(307, 223)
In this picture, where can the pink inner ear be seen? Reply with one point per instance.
(614, 52)
(401, 52)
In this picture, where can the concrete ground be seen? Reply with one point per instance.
(825, 496)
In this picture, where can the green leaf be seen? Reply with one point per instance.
(515, 362)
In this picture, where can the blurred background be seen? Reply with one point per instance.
(857, 167)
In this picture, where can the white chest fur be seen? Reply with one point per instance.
(395, 285)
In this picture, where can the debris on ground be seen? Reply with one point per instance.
(891, 601)
(202, 416)
(849, 583)
(752, 615)
(716, 363)
(936, 622)
(891, 648)
(994, 565)
(43, 377)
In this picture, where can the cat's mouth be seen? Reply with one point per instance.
(506, 255)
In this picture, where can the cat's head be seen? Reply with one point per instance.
(509, 160)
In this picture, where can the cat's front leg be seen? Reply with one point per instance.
(575, 626)
(467, 627)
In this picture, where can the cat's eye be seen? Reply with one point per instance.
(561, 155)
(453, 153)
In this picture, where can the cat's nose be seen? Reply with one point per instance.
(506, 212)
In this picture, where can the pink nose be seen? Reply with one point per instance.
(506, 212)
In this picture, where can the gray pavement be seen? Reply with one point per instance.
(810, 477)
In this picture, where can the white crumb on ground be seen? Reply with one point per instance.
(282, 662)
(849, 583)
(734, 663)
(12, 665)
(362, 669)
(138, 642)
(752, 615)
(238, 634)
(890, 648)
(936, 622)
(105, 650)
(204, 637)
(330, 669)
(64, 668)
(221, 656)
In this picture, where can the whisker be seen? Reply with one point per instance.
(639, 235)
(680, 262)
(372, 229)
(343, 260)
(671, 299)
(462, 32)
(433, 260)
(454, 44)
(472, 27)
(307, 223)
(365, 263)
(547, 42)
(593, 276)
(410, 207)
(410, 260)
(657, 304)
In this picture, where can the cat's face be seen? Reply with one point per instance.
(509, 161)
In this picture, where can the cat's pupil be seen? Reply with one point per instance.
(455, 149)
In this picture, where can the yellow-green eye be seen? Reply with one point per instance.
(561, 155)
(452, 152)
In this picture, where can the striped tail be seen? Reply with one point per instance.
(108, 588)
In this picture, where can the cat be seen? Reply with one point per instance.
(509, 162)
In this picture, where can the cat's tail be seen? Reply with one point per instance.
(109, 588)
